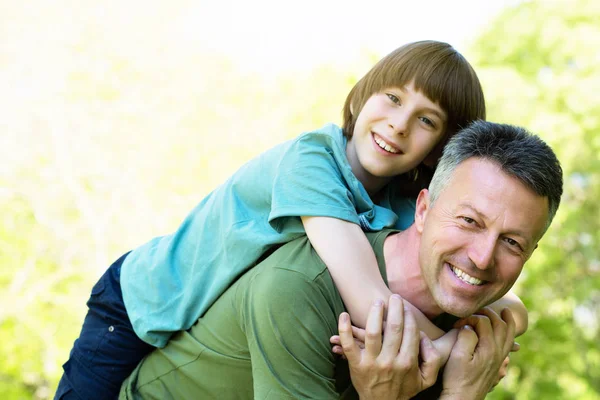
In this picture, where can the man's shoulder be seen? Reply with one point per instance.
(295, 260)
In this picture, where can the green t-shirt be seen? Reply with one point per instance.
(266, 337)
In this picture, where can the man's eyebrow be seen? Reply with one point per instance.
(472, 208)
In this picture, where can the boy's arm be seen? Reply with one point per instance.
(519, 311)
(346, 251)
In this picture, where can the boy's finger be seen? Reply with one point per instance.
(358, 333)
(482, 326)
(335, 339)
(467, 340)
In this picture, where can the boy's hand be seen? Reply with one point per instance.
(445, 343)
(359, 338)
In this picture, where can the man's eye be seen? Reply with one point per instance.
(468, 220)
(512, 242)
(393, 98)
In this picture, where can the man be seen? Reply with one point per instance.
(494, 194)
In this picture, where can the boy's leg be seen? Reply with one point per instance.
(107, 349)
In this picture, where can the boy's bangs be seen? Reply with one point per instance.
(445, 79)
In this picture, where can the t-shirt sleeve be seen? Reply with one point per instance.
(309, 182)
(288, 321)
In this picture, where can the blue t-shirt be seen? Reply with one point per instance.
(169, 282)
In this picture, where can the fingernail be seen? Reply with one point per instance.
(396, 296)
(469, 327)
(345, 317)
(378, 303)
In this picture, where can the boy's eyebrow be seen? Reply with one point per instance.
(436, 111)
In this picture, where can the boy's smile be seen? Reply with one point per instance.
(385, 146)
(395, 130)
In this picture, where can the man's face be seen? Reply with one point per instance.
(477, 235)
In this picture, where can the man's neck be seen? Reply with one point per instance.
(401, 252)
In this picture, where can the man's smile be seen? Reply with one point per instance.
(463, 276)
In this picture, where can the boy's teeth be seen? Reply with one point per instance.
(463, 276)
(385, 146)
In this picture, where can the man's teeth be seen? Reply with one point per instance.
(463, 276)
(385, 146)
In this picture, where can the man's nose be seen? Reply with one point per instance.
(482, 251)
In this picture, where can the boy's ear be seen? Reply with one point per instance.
(421, 209)
(432, 158)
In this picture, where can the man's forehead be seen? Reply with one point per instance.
(484, 188)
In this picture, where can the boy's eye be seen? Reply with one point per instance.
(393, 98)
(427, 121)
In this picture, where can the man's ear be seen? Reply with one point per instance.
(530, 254)
(422, 209)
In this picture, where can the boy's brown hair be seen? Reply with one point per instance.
(441, 73)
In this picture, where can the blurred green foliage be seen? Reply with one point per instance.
(111, 143)
(540, 65)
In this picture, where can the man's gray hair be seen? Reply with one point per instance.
(516, 151)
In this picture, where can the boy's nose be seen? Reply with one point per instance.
(399, 123)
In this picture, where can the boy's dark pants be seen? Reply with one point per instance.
(107, 349)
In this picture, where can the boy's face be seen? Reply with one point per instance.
(395, 130)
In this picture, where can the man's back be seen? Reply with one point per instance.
(267, 336)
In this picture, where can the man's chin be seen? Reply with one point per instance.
(460, 311)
